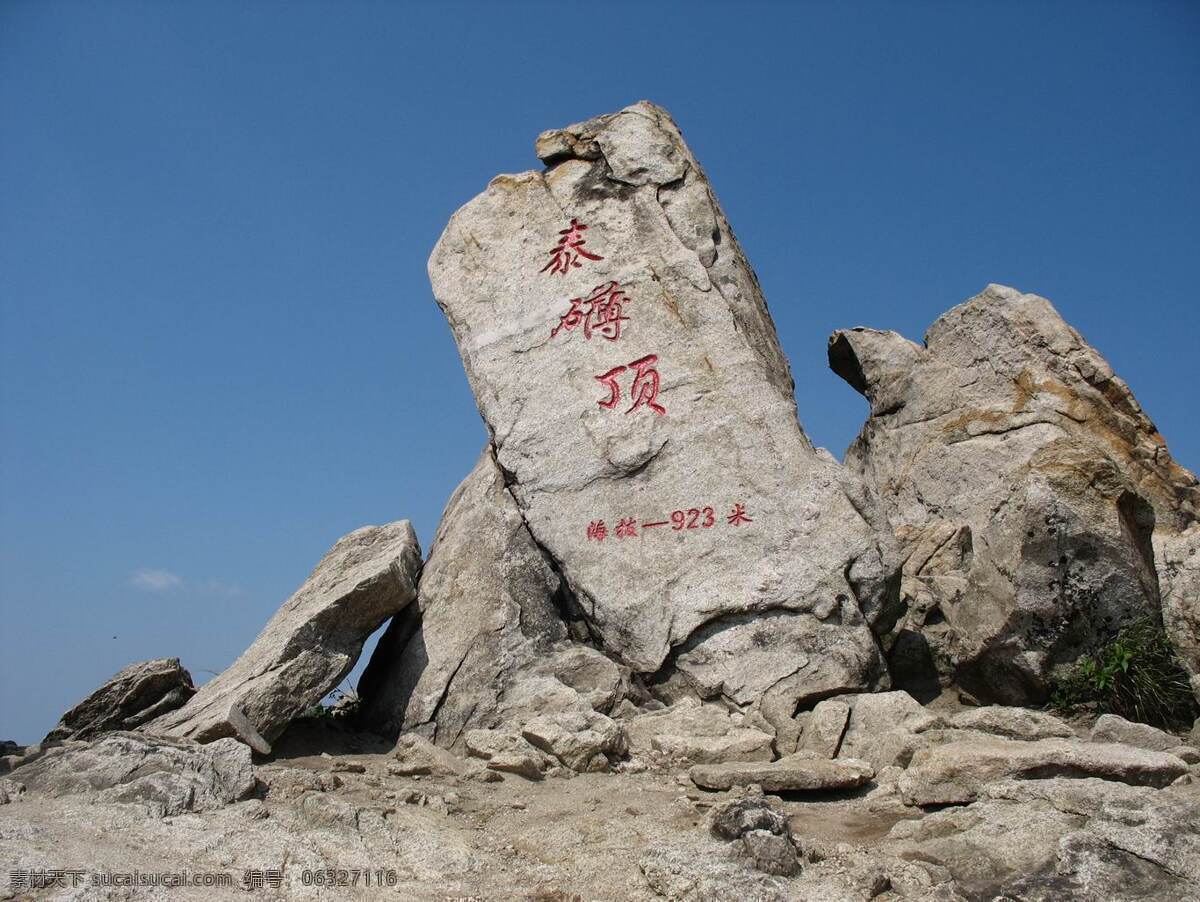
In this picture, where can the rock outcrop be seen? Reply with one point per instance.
(1177, 555)
(310, 644)
(955, 773)
(652, 588)
(1028, 492)
(649, 464)
(489, 643)
(1058, 838)
(131, 697)
(169, 776)
(689, 732)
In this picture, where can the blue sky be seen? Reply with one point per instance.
(218, 347)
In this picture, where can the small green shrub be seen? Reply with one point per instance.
(1134, 675)
(345, 706)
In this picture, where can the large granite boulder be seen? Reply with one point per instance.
(642, 418)
(129, 698)
(1028, 492)
(310, 644)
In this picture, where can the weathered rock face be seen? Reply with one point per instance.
(488, 646)
(1177, 554)
(642, 415)
(310, 644)
(1111, 728)
(134, 695)
(793, 773)
(1054, 839)
(694, 733)
(955, 773)
(1027, 490)
(169, 776)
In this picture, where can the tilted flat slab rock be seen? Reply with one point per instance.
(1029, 493)
(795, 773)
(129, 698)
(310, 644)
(169, 775)
(643, 416)
(955, 773)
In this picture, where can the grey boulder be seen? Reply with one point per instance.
(825, 728)
(310, 644)
(885, 728)
(168, 776)
(584, 741)
(1012, 723)
(417, 756)
(508, 752)
(129, 698)
(734, 819)
(770, 853)
(1060, 838)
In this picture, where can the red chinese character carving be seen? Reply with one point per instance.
(569, 249)
(645, 385)
(597, 530)
(610, 379)
(601, 310)
(627, 528)
(738, 516)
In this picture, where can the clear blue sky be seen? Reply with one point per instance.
(220, 350)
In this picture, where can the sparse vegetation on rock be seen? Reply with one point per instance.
(1136, 675)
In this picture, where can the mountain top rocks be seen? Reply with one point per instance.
(690, 732)
(136, 694)
(1035, 504)
(310, 644)
(166, 776)
(652, 600)
(645, 453)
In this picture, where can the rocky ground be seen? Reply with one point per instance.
(1109, 820)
